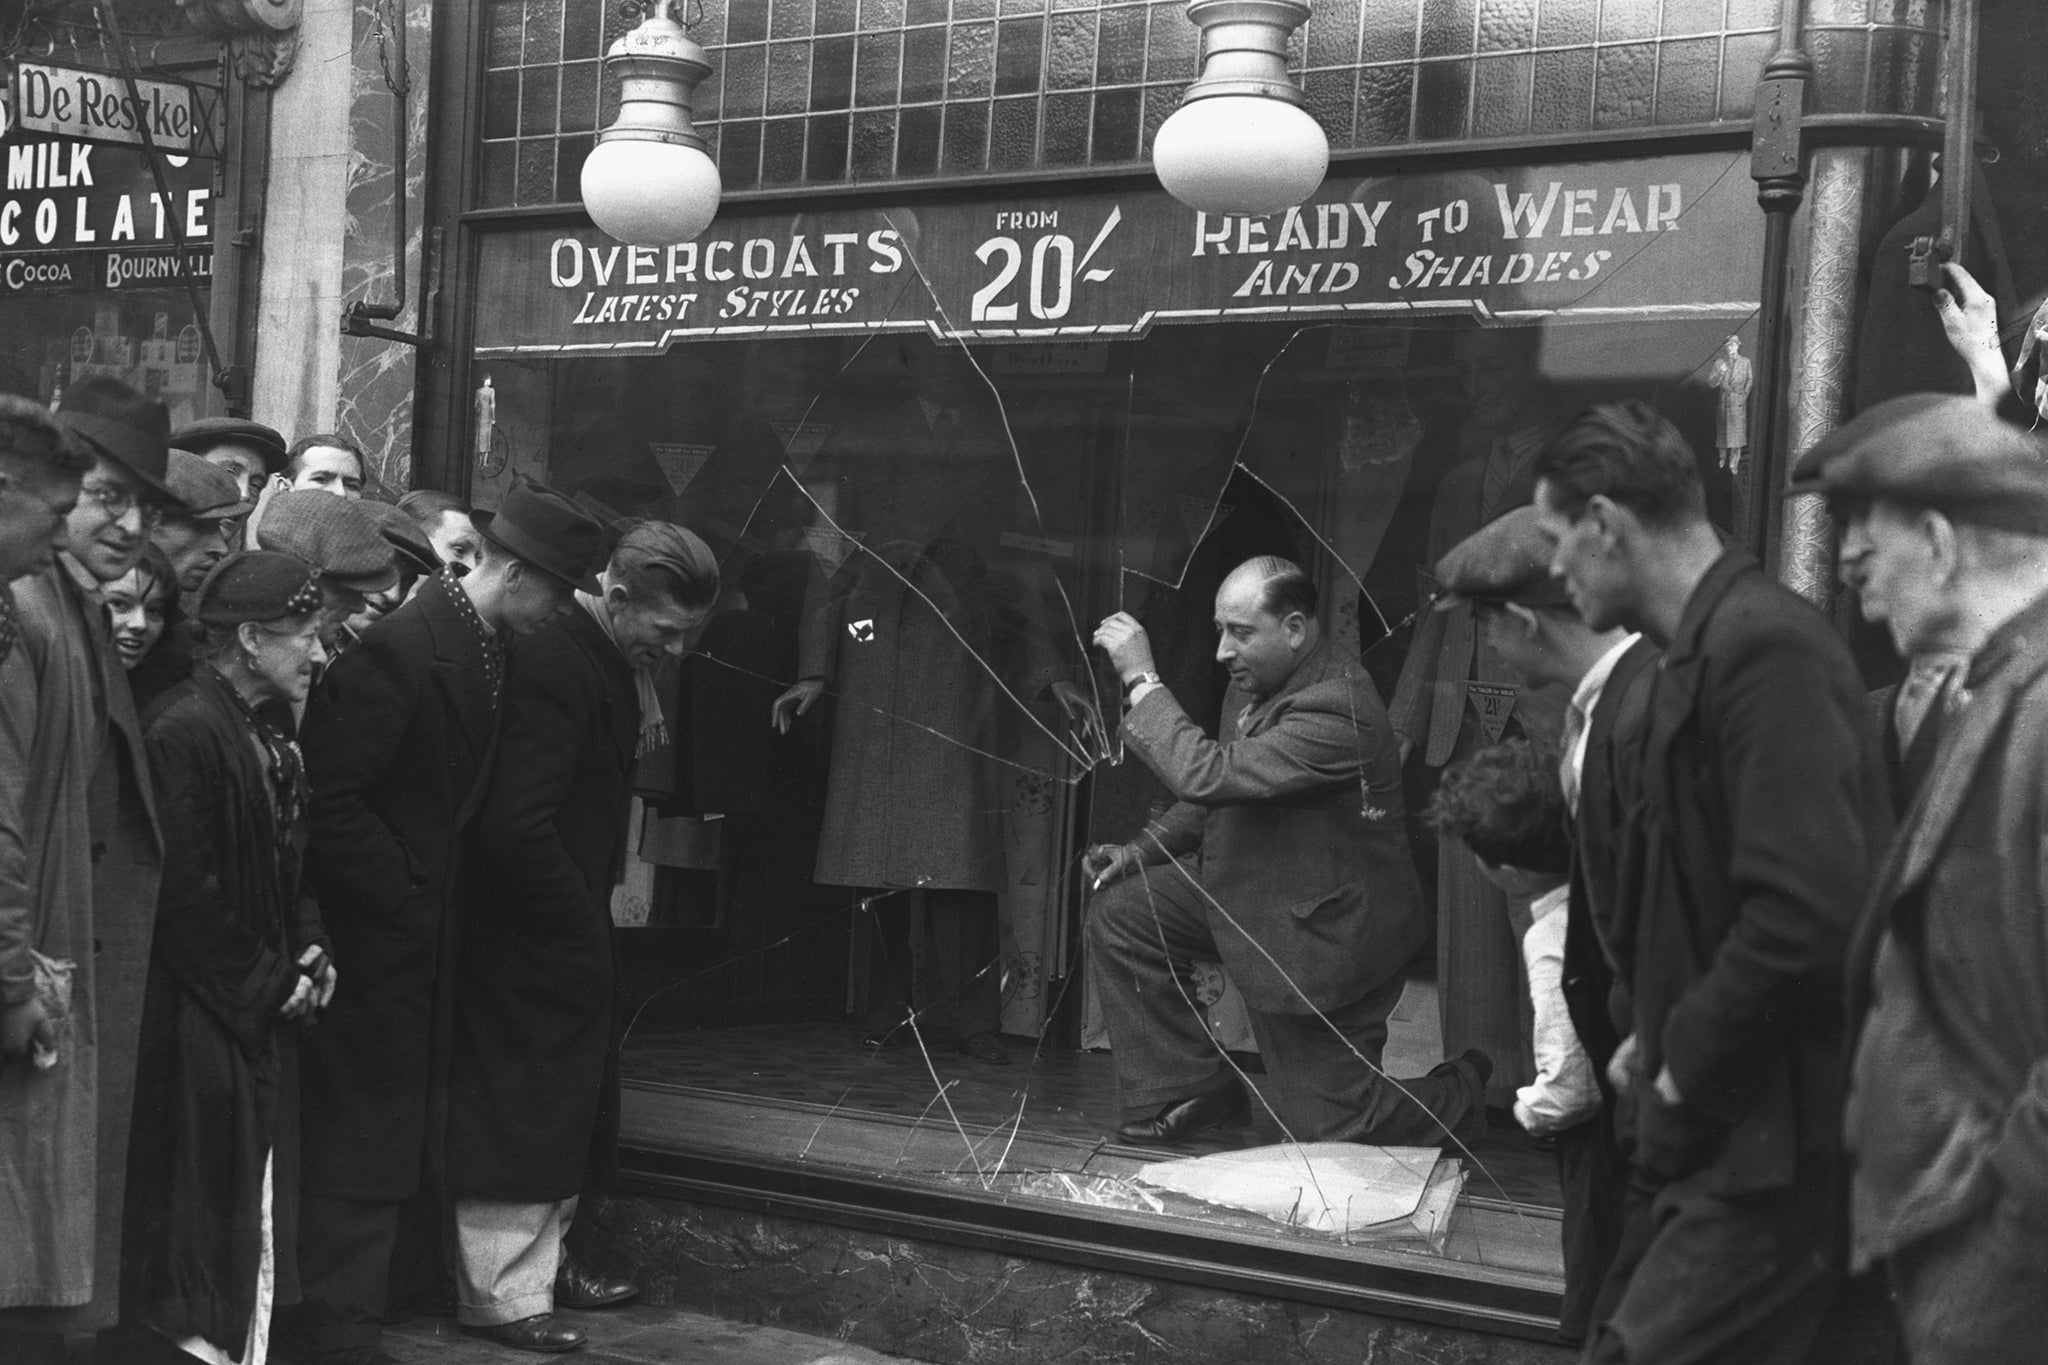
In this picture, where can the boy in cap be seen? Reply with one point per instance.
(1944, 511)
(1540, 640)
(337, 537)
(72, 758)
(397, 743)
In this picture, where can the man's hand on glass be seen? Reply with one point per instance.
(1125, 642)
(1970, 318)
(1105, 863)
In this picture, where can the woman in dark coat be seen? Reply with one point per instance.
(238, 964)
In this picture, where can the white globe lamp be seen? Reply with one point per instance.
(1241, 141)
(649, 181)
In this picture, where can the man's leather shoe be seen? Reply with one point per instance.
(538, 1333)
(1182, 1119)
(984, 1047)
(577, 1287)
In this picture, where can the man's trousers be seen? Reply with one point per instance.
(1322, 1078)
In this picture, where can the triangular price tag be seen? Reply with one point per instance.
(830, 546)
(1494, 702)
(801, 441)
(679, 463)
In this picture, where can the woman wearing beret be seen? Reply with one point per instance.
(239, 965)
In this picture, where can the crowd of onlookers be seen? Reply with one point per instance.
(304, 884)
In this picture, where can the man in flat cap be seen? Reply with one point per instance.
(1743, 864)
(71, 751)
(249, 451)
(198, 535)
(1503, 571)
(1284, 857)
(1944, 511)
(336, 536)
(398, 741)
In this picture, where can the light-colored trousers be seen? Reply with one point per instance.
(506, 1258)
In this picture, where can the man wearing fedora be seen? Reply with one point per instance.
(398, 743)
(533, 1095)
(71, 748)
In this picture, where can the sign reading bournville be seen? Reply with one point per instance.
(1674, 236)
(86, 216)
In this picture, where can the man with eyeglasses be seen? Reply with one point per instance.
(72, 764)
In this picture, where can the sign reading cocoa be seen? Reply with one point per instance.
(98, 107)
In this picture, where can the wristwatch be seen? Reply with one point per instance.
(1134, 683)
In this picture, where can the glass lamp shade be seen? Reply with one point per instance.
(649, 193)
(1245, 154)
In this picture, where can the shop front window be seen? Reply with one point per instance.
(929, 474)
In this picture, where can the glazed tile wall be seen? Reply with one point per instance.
(836, 92)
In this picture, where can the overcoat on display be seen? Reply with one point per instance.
(901, 637)
(81, 886)
(533, 1091)
(397, 742)
(216, 1090)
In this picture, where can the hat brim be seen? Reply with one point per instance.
(513, 541)
(117, 442)
(252, 435)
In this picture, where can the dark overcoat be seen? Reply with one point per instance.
(1607, 781)
(1295, 810)
(215, 1086)
(397, 740)
(533, 1096)
(1765, 809)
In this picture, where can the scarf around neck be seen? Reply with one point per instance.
(653, 729)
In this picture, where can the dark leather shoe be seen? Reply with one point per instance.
(1182, 1119)
(983, 1047)
(577, 1287)
(538, 1333)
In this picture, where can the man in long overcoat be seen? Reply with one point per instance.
(533, 1092)
(71, 756)
(398, 743)
(1944, 511)
(1763, 808)
(1284, 857)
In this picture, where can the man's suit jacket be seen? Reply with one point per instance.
(396, 740)
(1962, 891)
(1613, 731)
(1296, 813)
(534, 1091)
(1764, 810)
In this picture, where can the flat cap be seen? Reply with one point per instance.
(332, 534)
(208, 432)
(1506, 560)
(206, 489)
(258, 585)
(403, 534)
(1942, 451)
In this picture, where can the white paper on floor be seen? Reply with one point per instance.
(1344, 1188)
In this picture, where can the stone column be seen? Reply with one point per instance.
(1824, 310)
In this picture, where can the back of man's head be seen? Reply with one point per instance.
(34, 446)
(1631, 455)
(657, 561)
(1506, 804)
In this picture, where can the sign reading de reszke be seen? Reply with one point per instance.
(95, 105)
